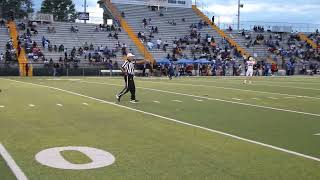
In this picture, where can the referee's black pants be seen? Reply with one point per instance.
(130, 86)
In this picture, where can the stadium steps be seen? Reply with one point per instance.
(240, 49)
(22, 59)
(4, 37)
(303, 37)
(143, 50)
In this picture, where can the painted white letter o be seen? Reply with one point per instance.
(53, 158)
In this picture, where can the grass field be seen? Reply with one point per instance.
(186, 128)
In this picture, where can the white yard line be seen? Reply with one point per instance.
(12, 164)
(317, 134)
(213, 99)
(177, 101)
(273, 98)
(31, 105)
(237, 99)
(236, 89)
(2, 106)
(176, 121)
(199, 100)
(86, 104)
(255, 98)
(59, 105)
(156, 102)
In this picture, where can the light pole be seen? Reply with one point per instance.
(239, 6)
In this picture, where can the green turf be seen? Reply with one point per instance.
(148, 147)
(76, 157)
(5, 172)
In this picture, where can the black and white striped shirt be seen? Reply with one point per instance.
(129, 67)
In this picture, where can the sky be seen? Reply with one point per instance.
(303, 12)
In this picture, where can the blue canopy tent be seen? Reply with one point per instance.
(185, 61)
(203, 61)
(163, 61)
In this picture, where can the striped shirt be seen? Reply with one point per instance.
(129, 67)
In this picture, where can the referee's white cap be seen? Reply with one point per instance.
(130, 55)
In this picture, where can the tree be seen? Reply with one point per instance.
(62, 10)
(19, 8)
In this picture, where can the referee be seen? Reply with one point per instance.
(128, 70)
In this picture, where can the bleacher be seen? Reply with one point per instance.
(134, 15)
(4, 37)
(63, 35)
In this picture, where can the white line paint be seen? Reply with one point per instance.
(2, 106)
(199, 100)
(177, 101)
(156, 102)
(236, 89)
(12, 164)
(86, 104)
(31, 105)
(317, 134)
(176, 121)
(213, 99)
(59, 105)
(289, 97)
(255, 98)
(237, 99)
(273, 98)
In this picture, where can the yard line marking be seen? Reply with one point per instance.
(207, 98)
(2, 106)
(59, 105)
(261, 84)
(255, 98)
(177, 101)
(236, 89)
(272, 98)
(199, 100)
(86, 104)
(31, 105)
(176, 121)
(289, 97)
(317, 134)
(156, 102)
(12, 164)
(237, 99)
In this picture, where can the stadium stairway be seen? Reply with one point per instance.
(143, 50)
(303, 37)
(4, 37)
(22, 59)
(240, 49)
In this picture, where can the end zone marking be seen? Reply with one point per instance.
(12, 164)
(185, 123)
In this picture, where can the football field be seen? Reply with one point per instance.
(186, 128)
